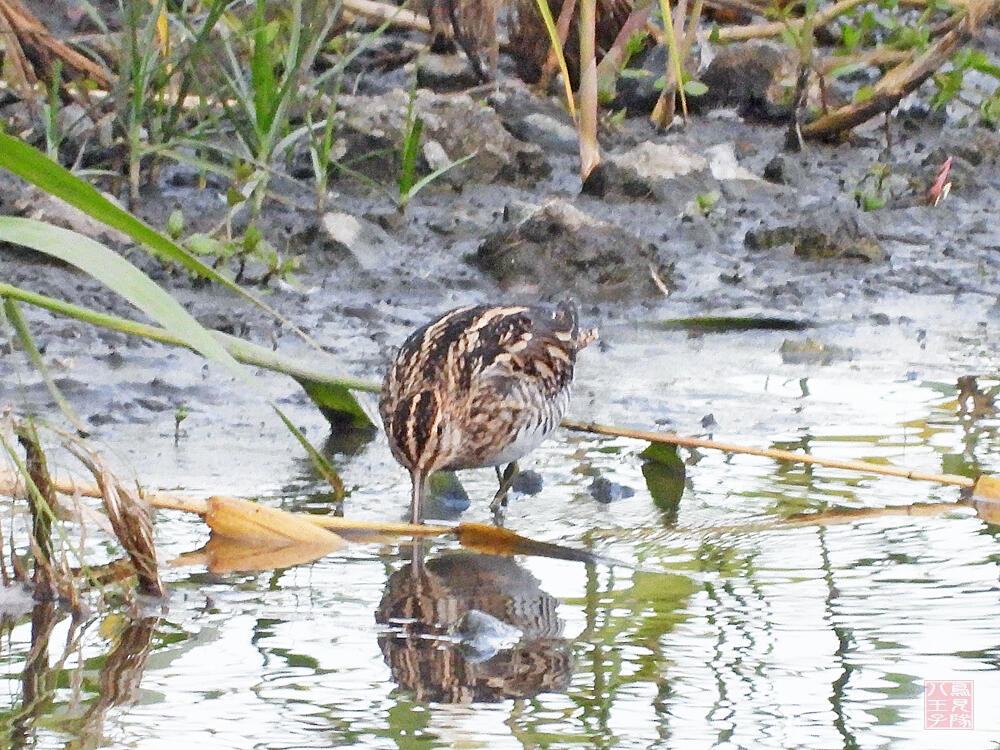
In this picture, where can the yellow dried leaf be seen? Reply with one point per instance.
(255, 524)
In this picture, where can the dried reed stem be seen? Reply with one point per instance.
(670, 438)
(130, 518)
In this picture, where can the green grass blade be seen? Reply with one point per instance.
(46, 174)
(428, 179)
(39, 170)
(20, 326)
(336, 403)
(674, 53)
(550, 26)
(322, 465)
(262, 72)
(118, 274)
(411, 148)
(330, 392)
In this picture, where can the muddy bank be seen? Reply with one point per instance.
(719, 210)
(712, 219)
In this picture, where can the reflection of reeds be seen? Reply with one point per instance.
(118, 681)
(124, 665)
(37, 681)
(128, 518)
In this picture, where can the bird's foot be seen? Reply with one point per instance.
(499, 505)
(499, 511)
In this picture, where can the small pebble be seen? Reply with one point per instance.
(605, 491)
(527, 483)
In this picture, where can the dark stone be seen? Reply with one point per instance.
(756, 77)
(225, 322)
(527, 483)
(783, 170)
(663, 172)
(534, 119)
(445, 72)
(830, 231)
(559, 250)
(637, 92)
(603, 490)
(546, 131)
(457, 123)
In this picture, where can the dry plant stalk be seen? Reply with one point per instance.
(983, 486)
(892, 87)
(27, 40)
(775, 28)
(399, 17)
(614, 58)
(474, 23)
(590, 154)
(131, 520)
(683, 35)
(41, 502)
(529, 41)
(51, 575)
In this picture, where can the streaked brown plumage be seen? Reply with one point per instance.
(479, 386)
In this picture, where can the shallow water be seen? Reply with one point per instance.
(739, 630)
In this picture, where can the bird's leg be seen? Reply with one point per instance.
(417, 555)
(419, 480)
(500, 499)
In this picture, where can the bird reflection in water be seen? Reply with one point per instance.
(464, 628)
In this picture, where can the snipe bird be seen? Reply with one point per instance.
(479, 386)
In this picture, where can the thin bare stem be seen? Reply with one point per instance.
(670, 438)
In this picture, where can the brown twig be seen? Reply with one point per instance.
(397, 16)
(891, 88)
(31, 33)
(877, 57)
(775, 28)
(670, 438)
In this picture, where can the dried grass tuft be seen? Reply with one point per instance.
(131, 519)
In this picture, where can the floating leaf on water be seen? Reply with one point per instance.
(987, 487)
(666, 454)
(254, 524)
(336, 403)
(665, 487)
(445, 488)
(725, 323)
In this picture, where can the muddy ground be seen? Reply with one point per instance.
(714, 218)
